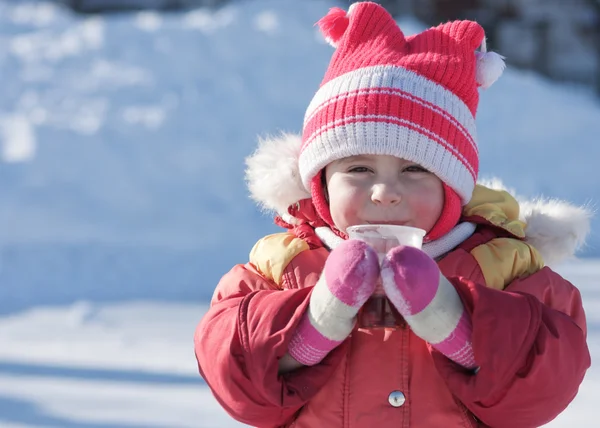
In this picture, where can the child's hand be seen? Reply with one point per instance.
(428, 302)
(348, 280)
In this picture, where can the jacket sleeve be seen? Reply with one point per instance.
(239, 342)
(530, 343)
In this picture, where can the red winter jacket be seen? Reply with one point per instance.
(529, 339)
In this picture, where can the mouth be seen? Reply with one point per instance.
(394, 223)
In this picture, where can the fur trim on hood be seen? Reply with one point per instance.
(555, 228)
(273, 176)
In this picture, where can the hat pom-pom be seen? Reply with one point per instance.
(489, 68)
(333, 25)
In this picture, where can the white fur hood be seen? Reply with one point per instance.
(555, 228)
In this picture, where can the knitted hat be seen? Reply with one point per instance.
(412, 97)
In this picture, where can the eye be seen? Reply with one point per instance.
(415, 168)
(359, 169)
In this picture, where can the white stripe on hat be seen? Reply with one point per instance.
(470, 136)
(386, 139)
(390, 76)
(389, 120)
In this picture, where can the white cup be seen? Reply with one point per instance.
(378, 312)
(384, 237)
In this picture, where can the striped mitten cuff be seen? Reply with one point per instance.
(348, 280)
(429, 303)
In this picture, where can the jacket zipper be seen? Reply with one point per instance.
(468, 417)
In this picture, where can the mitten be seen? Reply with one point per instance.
(428, 302)
(347, 281)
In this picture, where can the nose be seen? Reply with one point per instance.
(386, 194)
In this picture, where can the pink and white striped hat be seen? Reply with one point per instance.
(412, 97)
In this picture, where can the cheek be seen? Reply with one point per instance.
(344, 204)
(427, 206)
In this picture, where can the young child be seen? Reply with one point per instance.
(492, 337)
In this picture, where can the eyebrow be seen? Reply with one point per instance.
(354, 158)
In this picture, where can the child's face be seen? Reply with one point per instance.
(383, 189)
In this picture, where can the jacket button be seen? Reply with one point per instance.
(396, 398)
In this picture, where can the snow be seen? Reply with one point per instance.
(104, 365)
(18, 140)
(122, 145)
(131, 364)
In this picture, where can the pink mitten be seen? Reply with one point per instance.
(347, 281)
(428, 302)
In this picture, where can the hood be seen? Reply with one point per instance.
(556, 228)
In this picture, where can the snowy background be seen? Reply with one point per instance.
(122, 140)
